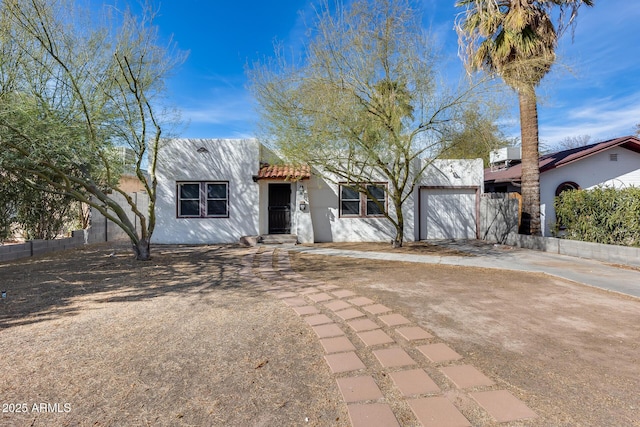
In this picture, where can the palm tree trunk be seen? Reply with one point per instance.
(530, 167)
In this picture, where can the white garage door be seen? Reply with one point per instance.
(447, 213)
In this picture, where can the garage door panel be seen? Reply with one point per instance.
(448, 213)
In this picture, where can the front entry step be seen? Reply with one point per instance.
(278, 239)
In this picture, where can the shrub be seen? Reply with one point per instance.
(601, 215)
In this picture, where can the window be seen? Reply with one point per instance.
(217, 199)
(355, 204)
(189, 200)
(350, 204)
(377, 194)
(566, 186)
(203, 199)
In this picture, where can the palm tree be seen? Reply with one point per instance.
(517, 39)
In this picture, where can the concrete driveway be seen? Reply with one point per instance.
(615, 278)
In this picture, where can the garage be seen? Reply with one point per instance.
(448, 212)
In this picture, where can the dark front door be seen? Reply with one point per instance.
(279, 208)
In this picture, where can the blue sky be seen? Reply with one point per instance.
(595, 89)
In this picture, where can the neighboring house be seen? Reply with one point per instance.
(613, 163)
(129, 181)
(219, 190)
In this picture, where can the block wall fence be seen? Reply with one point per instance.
(101, 230)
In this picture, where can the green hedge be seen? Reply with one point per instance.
(600, 215)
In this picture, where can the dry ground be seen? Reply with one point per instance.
(185, 340)
(178, 341)
(571, 352)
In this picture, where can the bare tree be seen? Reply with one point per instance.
(365, 104)
(73, 86)
(573, 142)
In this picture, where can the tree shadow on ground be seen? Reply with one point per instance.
(66, 283)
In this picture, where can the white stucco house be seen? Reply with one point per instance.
(614, 163)
(219, 190)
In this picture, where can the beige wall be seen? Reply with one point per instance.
(130, 184)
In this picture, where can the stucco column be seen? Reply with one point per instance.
(304, 225)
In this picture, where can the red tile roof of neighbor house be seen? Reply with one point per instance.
(284, 172)
(562, 158)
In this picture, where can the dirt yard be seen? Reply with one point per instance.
(571, 352)
(181, 340)
(91, 337)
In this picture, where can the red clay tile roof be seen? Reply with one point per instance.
(284, 172)
(562, 158)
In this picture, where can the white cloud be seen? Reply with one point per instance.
(218, 114)
(220, 108)
(594, 89)
(602, 119)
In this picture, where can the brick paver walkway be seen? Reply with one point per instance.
(389, 370)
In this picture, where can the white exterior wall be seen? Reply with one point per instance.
(301, 224)
(328, 226)
(589, 172)
(235, 161)
(461, 180)
(454, 173)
